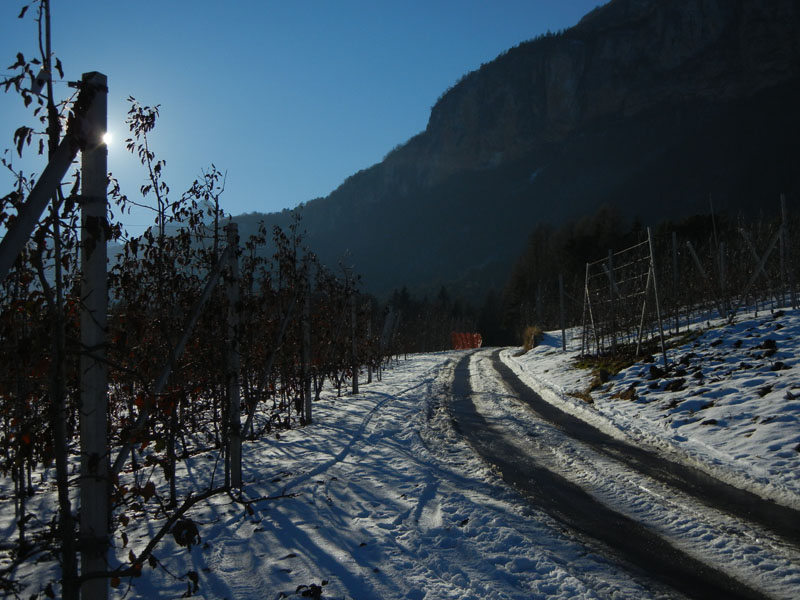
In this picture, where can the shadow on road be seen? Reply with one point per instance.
(569, 504)
(781, 520)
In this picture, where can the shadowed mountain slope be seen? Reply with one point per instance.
(648, 105)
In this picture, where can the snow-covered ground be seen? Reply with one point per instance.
(382, 499)
(390, 503)
(748, 553)
(730, 403)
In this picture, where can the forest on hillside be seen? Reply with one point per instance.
(704, 263)
(712, 263)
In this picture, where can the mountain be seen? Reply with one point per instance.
(649, 105)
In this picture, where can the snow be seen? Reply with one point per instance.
(390, 503)
(751, 554)
(730, 405)
(381, 498)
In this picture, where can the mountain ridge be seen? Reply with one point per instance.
(611, 110)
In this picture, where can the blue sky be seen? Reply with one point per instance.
(290, 97)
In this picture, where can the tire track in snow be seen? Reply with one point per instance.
(570, 504)
(747, 550)
(783, 521)
(359, 433)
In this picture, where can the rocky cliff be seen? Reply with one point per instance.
(648, 104)
(623, 59)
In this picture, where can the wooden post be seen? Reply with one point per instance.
(306, 324)
(586, 303)
(561, 312)
(94, 480)
(370, 342)
(353, 331)
(234, 360)
(786, 249)
(723, 287)
(675, 302)
(612, 301)
(655, 292)
(759, 270)
(644, 310)
(385, 342)
(702, 272)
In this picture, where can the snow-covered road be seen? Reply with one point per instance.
(761, 561)
(383, 498)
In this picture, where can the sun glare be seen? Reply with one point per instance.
(107, 138)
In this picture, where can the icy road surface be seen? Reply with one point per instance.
(670, 533)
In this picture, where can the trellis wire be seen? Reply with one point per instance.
(615, 293)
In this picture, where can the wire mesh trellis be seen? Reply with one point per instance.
(751, 266)
(615, 309)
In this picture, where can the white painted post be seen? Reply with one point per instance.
(94, 480)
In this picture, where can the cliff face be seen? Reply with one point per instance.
(625, 58)
(647, 104)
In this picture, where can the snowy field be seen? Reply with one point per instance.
(730, 404)
(381, 498)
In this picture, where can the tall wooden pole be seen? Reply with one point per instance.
(561, 312)
(785, 252)
(234, 360)
(94, 480)
(354, 348)
(675, 303)
(613, 302)
(586, 300)
(655, 292)
(369, 341)
(306, 325)
(723, 282)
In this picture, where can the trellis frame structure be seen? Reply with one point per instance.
(615, 285)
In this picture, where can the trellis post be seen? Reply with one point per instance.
(587, 304)
(306, 325)
(785, 249)
(675, 282)
(354, 348)
(612, 300)
(234, 392)
(723, 282)
(655, 292)
(561, 312)
(94, 479)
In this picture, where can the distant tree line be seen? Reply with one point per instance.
(426, 324)
(706, 263)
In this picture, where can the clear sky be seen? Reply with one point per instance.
(289, 97)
